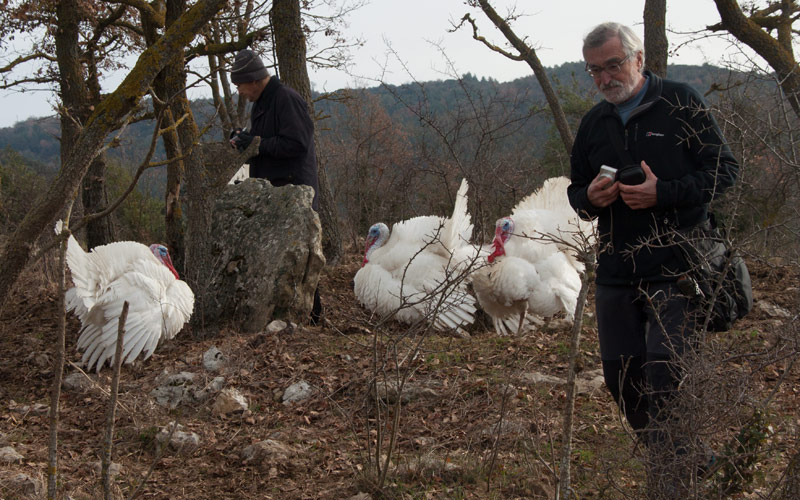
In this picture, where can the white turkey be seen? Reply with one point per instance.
(159, 302)
(417, 272)
(534, 271)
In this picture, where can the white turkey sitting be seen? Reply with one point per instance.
(418, 271)
(159, 303)
(534, 271)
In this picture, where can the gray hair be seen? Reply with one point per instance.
(604, 32)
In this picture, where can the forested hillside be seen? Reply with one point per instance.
(37, 139)
(414, 141)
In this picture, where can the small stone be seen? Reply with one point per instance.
(277, 326)
(42, 360)
(9, 455)
(175, 379)
(269, 448)
(389, 391)
(114, 469)
(772, 310)
(17, 484)
(36, 409)
(174, 389)
(213, 387)
(229, 401)
(361, 496)
(180, 440)
(213, 359)
(77, 382)
(298, 391)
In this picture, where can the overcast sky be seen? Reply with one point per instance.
(417, 32)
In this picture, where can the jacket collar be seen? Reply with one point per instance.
(652, 94)
(269, 91)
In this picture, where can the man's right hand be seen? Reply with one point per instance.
(602, 192)
(241, 140)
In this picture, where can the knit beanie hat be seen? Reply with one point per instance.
(247, 67)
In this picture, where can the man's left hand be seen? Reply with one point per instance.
(241, 140)
(641, 195)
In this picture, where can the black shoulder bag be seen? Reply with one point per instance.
(716, 277)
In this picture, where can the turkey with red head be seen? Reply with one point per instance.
(534, 269)
(107, 276)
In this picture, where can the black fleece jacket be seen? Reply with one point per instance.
(675, 134)
(286, 154)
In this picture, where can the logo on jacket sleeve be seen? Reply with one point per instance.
(654, 134)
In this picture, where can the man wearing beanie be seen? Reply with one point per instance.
(280, 117)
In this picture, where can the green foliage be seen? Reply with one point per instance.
(141, 215)
(742, 455)
(19, 188)
(395, 152)
(37, 141)
(147, 437)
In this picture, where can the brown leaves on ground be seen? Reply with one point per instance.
(476, 412)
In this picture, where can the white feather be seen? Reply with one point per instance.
(538, 271)
(417, 271)
(159, 303)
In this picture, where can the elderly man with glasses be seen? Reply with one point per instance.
(676, 160)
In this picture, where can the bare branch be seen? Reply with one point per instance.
(483, 40)
(148, 11)
(28, 57)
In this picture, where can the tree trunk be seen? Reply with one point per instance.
(75, 110)
(776, 51)
(165, 91)
(107, 117)
(290, 48)
(655, 36)
(182, 139)
(99, 231)
(95, 199)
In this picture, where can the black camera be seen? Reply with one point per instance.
(629, 174)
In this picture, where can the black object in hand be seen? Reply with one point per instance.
(631, 175)
(242, 140)
(235, 132)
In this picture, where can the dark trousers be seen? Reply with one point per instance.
(642, 330)
(316, 309)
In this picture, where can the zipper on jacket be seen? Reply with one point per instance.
(626, 140)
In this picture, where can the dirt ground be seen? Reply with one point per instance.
(447, 440)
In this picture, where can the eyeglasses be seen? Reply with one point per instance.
(611, 69)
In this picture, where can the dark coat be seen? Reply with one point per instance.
(673, 132)
(286, 154)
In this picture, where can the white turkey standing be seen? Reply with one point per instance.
(159, 303)
(533, 269)
(417, 271)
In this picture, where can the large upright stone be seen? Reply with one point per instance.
(267, 253)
